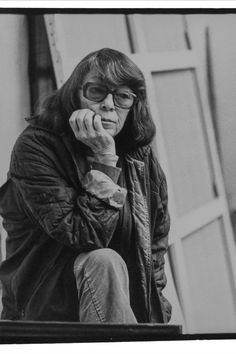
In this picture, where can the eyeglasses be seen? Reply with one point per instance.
(122, 97)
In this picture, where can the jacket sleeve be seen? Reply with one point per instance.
(83, 218)
(161, 226)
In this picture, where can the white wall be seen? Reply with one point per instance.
(14, 89)
(14, 85)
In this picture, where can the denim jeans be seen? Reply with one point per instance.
(103, 287)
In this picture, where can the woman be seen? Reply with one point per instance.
(85, 204)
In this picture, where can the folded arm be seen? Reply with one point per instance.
(83, 218)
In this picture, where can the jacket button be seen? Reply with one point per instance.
(22, 313)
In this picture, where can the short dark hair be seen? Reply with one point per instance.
(114, 68)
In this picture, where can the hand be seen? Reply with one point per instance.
(87, 128)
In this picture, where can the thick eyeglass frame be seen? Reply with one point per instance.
(108, 90)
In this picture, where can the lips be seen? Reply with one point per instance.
(107, 121)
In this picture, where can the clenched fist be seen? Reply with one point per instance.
(87, 128)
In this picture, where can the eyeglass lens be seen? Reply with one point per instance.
(97, 93)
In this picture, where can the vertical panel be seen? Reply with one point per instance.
(223, 69)
(182, 128)
(164, 32)
(197, 30)
(14, 88)
(209, 280)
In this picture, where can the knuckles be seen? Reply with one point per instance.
(96, 138)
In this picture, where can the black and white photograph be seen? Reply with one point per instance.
(117, 178)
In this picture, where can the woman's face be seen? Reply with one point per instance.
(113, 117)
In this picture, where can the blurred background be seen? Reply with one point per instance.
(189, 64)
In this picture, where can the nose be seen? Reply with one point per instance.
(108, 103)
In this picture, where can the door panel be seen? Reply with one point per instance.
(163, 32)
(209, 281)
(184, 139)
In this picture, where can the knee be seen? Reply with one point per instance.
(104, 259)
(107, 258)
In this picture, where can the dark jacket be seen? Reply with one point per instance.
(50, 218)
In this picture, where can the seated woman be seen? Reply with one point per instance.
(85, 204)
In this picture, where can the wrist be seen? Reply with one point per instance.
(104, 158)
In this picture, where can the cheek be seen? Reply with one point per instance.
(84, 103)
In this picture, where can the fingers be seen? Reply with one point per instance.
(81, 122)
(86, 122)
(87, 128)
(97, 123)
